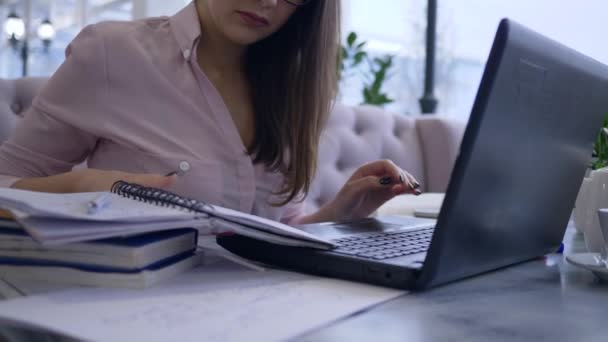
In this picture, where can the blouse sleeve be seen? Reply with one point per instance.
(57, 132)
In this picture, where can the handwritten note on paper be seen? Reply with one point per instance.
(220, 302)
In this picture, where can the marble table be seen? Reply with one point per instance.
(547, 299)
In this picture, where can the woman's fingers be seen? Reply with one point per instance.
(398, 175)
(373, 183)
(379, 168)
(386, 173)
(413, 185)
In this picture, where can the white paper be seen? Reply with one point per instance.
(75, 206)
(219, 302)
(262, 223)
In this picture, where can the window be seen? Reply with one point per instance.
(465, 30)
(68, 18)
(398, 28)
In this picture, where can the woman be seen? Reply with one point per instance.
(223, 102)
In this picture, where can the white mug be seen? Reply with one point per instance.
(581, 204)
(603, 216)
(593, 196)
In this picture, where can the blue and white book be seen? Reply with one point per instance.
(13, 269)
(6, 223)
(125, 253)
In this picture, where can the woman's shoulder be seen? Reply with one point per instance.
(121, 46)
(115, 33)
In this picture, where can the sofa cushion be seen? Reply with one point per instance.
(441, 140)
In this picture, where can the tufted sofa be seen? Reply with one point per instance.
(424, 146)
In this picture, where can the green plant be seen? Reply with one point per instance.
(372, 89)
(353, 55)
(600, 150)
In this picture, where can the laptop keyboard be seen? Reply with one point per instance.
(385, 245)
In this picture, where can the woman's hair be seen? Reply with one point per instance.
(293, 77)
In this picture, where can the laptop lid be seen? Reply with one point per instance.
(523, 156)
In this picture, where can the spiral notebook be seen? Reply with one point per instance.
(133, 209)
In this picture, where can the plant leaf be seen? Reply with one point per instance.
(352, 37)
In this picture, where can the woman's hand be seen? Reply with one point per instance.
(91, 180)
(366, 190)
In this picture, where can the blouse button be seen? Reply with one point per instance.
(184, 166)
(186, 54)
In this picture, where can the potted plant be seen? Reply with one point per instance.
(374, 70)
(593, 194)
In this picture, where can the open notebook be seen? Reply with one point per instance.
(134, 209)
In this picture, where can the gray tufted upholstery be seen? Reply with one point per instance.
(15, 97)
(424, 146)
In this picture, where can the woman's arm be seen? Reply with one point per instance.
(90, 180)
(40, 148)
(62, 127)
(57, 131)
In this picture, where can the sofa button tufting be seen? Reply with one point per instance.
(16, 108)
(339, 165)
(396, 131)
(358, 128)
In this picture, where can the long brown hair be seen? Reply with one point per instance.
(293, 81)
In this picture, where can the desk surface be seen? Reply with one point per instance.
(547, 299)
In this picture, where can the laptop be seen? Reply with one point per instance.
(522, 159)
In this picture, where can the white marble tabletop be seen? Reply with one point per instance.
(547, 299)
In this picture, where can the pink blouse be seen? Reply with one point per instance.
(131, 97)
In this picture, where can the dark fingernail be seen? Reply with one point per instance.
(401, 179)
(417, 192)
(416, 185)
(385, 180)
(171, 174)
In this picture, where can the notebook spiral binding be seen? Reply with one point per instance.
(159, 197)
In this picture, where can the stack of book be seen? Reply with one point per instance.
(133, 237)
(136, 261)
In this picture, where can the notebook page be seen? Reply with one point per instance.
(306, 240)
(40, 209)
(263, 224)
(75, 206)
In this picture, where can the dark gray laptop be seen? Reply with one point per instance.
(523, 156)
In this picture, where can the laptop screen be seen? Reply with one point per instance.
(528, 142)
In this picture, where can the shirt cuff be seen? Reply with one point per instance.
(8, 181)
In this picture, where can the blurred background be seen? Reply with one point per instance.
(384, 39)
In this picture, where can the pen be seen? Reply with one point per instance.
(100, 202)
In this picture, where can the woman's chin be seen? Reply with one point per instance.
(245, 36)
